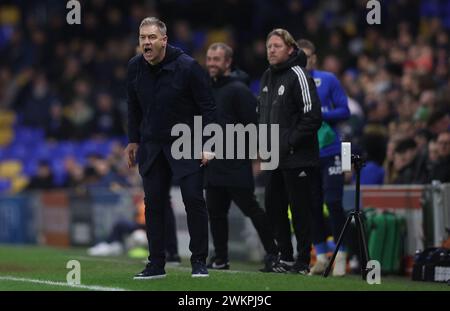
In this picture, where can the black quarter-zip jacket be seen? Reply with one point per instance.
(288, 97)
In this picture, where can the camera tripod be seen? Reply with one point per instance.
(358, 164)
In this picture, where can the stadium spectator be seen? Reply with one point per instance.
(408, 164)
(107, 118)
(74, 171)
(439, 122)
(433, 153)
(124, 229)
(441, 169)
(57, 127)
(36, 103)
(80, 118)
(373, 172)
(43, 180)
(388, 165)
(99, 172)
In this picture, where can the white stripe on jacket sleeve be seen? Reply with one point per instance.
(306, 95)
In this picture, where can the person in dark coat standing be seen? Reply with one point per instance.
(232, 179)
(441, 169)
(166, 87)
(288, 99)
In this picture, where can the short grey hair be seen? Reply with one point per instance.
(225, 47)
(153, 21)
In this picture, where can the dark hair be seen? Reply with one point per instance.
(424, 133)
(225, 47)
(405, 145)
(436, 116)
(375, 147)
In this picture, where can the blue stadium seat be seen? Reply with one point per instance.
(104, 148)
(5, 185)
(429, 8)
(65, 148)
(446, 15)
(28, 135)
(17, 151)
(123, 140)
(89, 147)
(43, 152)
(30, 167)
(81, 160)
(59, 171)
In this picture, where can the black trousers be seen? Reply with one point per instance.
(294, 187)
(157, 184)
(331, 187)
(218, 201)
(170, 229)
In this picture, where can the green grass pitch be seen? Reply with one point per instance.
(44, 268)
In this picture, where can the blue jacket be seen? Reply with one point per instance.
(334, 106)
(160, 96)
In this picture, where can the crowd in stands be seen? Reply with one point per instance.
(63, 95)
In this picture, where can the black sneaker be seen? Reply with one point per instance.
(199, 270)
(173, 259)
(218, 264)
(300, 268)
(287, 261)
(272, 264)
(151, 272)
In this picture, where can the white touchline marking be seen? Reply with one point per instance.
(105, 259)
(46, 282)
(168, 266)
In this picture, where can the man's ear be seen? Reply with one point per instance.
(290, 51)
(229, 62)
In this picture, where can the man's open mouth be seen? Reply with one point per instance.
(147, 49)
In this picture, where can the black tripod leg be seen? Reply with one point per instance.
(338, 243)
(364, 255)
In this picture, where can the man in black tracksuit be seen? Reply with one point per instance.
(232, 179)
(166, 87)
(288, 98)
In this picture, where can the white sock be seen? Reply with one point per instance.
(322, 257)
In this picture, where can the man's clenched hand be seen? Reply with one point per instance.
(131, 152)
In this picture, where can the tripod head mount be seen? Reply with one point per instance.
(358, 161)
